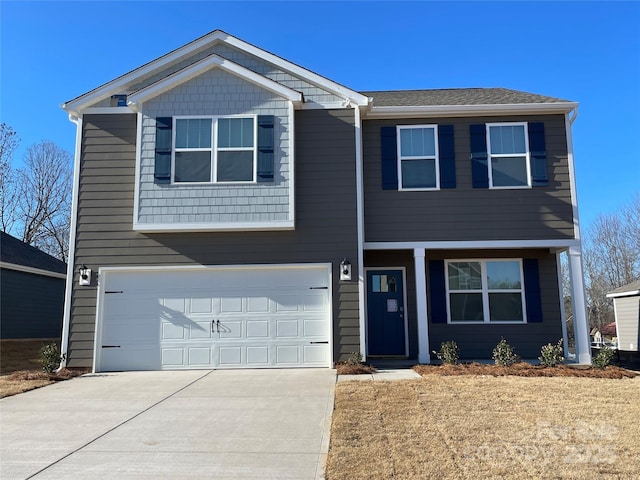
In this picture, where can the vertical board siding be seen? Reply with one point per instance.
(465, 213)
(31, 305)
(326, 226)
(628, 323)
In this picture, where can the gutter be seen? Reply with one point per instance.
(66, 319)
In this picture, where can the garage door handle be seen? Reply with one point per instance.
(110, 346)
(313, 343)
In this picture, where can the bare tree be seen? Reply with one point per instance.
(9, 141)
(44, 198)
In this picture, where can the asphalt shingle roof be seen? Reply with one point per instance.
(632, 287)
(17, 252)
(456, 96)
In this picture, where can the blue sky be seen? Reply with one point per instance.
(587, 52)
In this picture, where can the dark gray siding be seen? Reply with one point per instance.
(467, 213)
(478, 341)
(325, 219)
(30, 305)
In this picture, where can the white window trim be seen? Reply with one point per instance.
(399, 156)
(485, 292)
(527, 155)
(214, 149)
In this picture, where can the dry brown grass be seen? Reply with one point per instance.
(471, 427)
(20, 368)
(354, 369)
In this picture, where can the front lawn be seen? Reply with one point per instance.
(481, 426)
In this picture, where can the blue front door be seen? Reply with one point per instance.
(385, 312)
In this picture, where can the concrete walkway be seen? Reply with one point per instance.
(171, 425)
(383, 374)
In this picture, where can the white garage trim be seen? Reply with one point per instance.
(323, 271)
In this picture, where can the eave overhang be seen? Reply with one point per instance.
(427, 111)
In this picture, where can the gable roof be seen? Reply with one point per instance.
(457, 96)
(16, 252)
(628, 290)
(173, 58)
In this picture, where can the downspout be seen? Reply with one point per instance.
(66, 319)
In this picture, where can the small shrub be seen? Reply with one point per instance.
(552, 355)
(354, 358)
(603, 358)
(50, 357)
(449, 353)
(503, 354)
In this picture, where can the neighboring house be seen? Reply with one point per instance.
(32, 285)
(242, 211)
(626, 306)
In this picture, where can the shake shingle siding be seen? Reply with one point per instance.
(325, 220)
(465, 213)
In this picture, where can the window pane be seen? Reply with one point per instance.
(466, 307)
(376, 283)
(235, 132)
(193, 167)
(509, 171)
(193, 133)
(507, 139)
(235, 166)
(503, 275)
(464, 276)
(505, 307)
(417, 142)
(418, 173)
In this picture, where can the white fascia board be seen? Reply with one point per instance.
(468, 110)
(623, 294)
(107, 110)
(207, 63)
(35, 271)
(297, 71)
(214, 227)
(464, 245)
(116, 86)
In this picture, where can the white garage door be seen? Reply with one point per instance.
(152, 319)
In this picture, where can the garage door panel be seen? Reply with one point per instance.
(216, 318)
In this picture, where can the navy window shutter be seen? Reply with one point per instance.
(533, 298)
(538, 152)
(446, 155)
(266, 142)
(389, 153)
(479, 161)
(437, 291)
(162, 169)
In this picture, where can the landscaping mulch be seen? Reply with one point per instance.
(354, 369)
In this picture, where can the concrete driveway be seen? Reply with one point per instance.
(174, 425)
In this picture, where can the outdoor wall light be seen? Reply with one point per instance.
(345, 270)
(85, 276)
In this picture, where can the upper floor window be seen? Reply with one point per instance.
(418, 166)
(485, 291)
(508, 148)
(219, 149)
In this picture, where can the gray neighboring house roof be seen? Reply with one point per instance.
(456, 96)
(17, 252)
(632, 288)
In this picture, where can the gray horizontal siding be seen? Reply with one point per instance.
(628, 322)
(466, 213)
(31, 305)
(478, 341)
(325, 222)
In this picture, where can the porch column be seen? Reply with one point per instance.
(579, 306)
(421, 303)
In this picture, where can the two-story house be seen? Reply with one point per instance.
(234, 210)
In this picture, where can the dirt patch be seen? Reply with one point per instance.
(354, 369)
(485, 426)
(524, 369)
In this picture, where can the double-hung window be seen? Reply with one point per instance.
(508, 147)
(214, 149)
(418, 167)
(486, 291)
